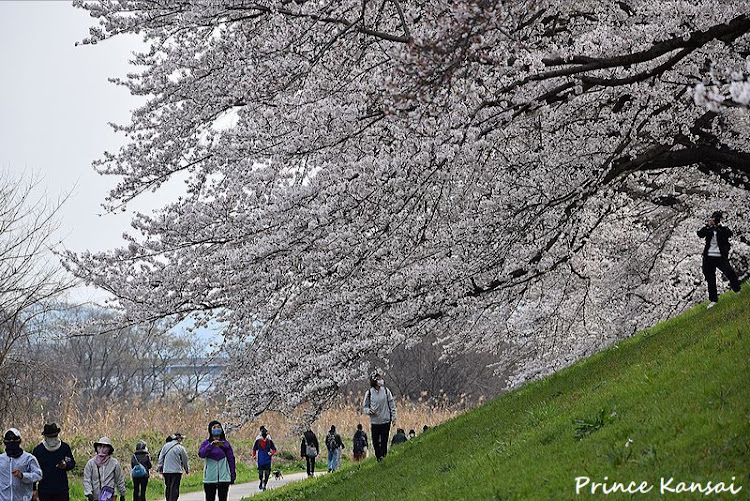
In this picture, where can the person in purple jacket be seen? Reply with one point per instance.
(219, 468)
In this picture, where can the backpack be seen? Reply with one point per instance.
(360, 442)
(138, 471)
(331, 442)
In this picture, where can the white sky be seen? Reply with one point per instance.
(55, 103)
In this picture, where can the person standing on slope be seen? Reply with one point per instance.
(716, 255)
(380, 407)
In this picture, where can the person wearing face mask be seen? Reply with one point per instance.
(380, 407)
(102, 475)
(263, 451)
(56, 459)
(19, 470)
(219, 466)
(173, 460)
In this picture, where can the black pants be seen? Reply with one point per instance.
(380, 434)
(310, 466)
(54, 496)
(139, 488)
(211, 489)
(709, 271)
(172, 486)
(263, 473)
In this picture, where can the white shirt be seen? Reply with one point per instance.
(713, 248)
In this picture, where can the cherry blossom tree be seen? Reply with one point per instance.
(522, 178)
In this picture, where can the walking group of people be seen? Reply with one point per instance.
(379, 405)
(42, 474)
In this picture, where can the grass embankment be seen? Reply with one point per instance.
(673, 401)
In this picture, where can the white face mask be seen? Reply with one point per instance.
(52, 442)
(380, 382)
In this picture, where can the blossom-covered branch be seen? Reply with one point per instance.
(516, 177)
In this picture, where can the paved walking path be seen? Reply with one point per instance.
(239, 491)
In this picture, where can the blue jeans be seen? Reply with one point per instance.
(334, 459)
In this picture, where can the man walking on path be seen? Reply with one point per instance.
(716, 255)
(380, 407)
(263, 451)
(173, 460)
(19, 470)
(56, 460)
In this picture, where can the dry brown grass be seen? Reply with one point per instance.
(126, 422)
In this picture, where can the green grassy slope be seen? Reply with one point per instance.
(677, 394)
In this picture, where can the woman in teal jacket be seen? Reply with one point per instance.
(219, 467)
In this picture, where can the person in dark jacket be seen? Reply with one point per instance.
(263, 451)
(716, 255)
(56, 459)
(309, 450)
(219, 469)
(335, 445)
(399, 437)
(140, 457)
(359, 444)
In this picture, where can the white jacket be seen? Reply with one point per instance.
(173, 458)
(110, 474)
(12, 488)
(382, 402)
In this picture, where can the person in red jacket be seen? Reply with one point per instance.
(263, 451)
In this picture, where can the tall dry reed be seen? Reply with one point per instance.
(126, 422)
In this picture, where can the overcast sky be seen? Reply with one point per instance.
(55, 103)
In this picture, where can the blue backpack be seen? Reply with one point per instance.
(138, 471)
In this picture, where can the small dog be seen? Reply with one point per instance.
(278, 475)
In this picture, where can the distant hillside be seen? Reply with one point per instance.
(671, 402)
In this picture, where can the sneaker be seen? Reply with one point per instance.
(711, 305)
(260, 486)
